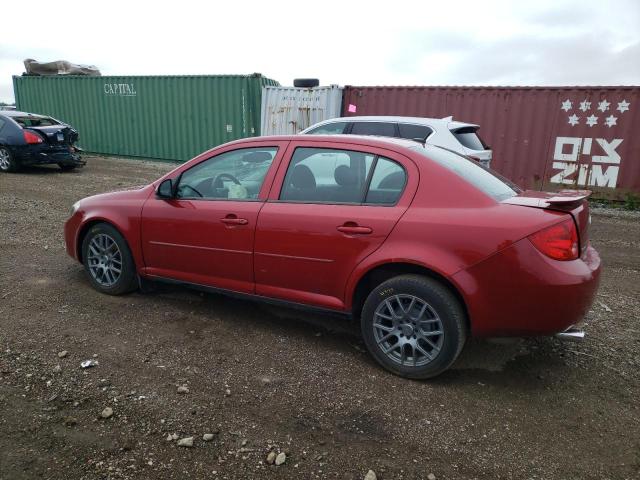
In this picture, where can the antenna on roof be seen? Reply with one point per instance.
(449, 118)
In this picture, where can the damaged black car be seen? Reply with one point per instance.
(31, 139)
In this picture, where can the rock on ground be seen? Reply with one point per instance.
(185, 442)
(371, 475)
(281, 458)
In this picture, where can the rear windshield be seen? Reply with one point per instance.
(486, 180)
(35, 121)
(468, 137)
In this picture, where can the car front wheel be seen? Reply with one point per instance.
(7, 162)
(413, 326)
(107, 260)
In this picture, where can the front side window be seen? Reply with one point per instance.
(234, 175)
(323, 175)
(329, 129)
(381, 129)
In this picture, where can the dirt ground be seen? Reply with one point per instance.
(261, 378)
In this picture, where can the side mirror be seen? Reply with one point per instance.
(165, 189)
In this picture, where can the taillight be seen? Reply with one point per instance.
(31, 137)
(559, 241)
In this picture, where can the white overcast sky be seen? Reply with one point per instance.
(345, 42)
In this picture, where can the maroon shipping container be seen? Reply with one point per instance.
(542, 137)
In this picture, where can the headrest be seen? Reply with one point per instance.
(345, 176)
(302, 177)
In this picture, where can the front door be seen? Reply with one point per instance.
(329, 208)
(205, 234)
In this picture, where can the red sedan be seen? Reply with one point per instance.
(422, 245)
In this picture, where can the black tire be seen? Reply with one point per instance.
(127, 280)
(306, 82)
(8, 163)
(399, 291)
(67, 167)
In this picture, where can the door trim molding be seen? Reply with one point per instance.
(180, 245)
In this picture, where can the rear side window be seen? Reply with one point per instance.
(468, 137)
(374, 128)
(414, 132)
(323, 175)
(481, 177)
(329, 129)
(387, 182)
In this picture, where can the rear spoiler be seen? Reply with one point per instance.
(568, 197)
(562, 199)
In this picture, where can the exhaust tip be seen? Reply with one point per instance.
(571, 335)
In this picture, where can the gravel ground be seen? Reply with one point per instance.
(260, 379)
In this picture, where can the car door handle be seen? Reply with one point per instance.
(354, 230)
(234, 220)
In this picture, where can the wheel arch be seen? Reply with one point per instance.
(84, 229)
(383, 272)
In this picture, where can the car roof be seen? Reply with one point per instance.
(447, 121)
(373, 140)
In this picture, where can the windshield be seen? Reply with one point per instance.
(486, 180)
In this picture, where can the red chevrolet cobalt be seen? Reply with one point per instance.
(422, 245)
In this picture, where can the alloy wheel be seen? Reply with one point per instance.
(408, 330)
(104, 260)
(5, 159)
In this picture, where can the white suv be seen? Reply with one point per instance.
(443, 132)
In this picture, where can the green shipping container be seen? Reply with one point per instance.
(162, 117)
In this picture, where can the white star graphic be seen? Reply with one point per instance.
(573, 120)
(603, 106)
(592, 120)
(584, 105)
(623, 106)
(566, 105)
(611, 121)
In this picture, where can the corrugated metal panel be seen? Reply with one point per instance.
(542, 137)
(289, 110)
(164, 117)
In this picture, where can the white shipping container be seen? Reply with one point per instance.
(289, 110)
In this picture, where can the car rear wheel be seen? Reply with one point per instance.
(413, 326)
(107, 260)
(66, 168)
(7, 162)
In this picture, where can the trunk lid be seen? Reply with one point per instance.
(573, 202)
(56, 134)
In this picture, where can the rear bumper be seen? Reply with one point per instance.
(46, 154)
(521, 292)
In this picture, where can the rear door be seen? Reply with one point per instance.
(332, 205)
